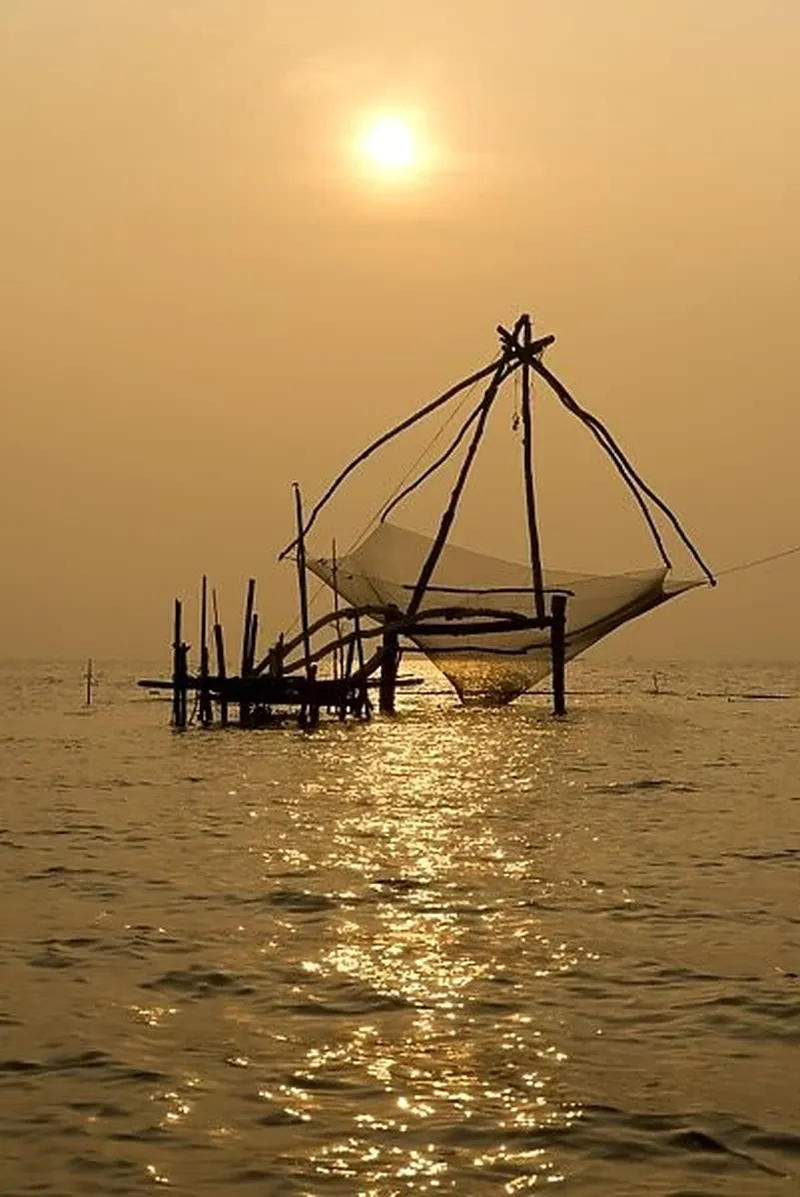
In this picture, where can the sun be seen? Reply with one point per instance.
(390, 147)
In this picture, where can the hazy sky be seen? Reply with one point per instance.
(204, 298)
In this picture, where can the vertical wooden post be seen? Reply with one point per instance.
(347, 697)
(251, 651)
(338, 655)
(221, 674)
(244, 704)
(179, 650)
(527, 466)
(205, 709)
(89, 680)
(390, 659)
(364, 707)
(302, 581)
(313, 699)
(275, 658)
(310, 710)
(558, 630)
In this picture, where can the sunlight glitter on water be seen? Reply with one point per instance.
(424, 950)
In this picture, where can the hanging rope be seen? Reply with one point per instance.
(464, 385)
(735, 569)
(449, 451)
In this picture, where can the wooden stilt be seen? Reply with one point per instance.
(205, 709)
(251, 650)
(364, 706)
(179, 672)
(302, 581)
(390, 659)
(313, 699)
(558, 629)
(222, 675)
(338, 656)
(89, 680)
(247, 632)
(347, 697)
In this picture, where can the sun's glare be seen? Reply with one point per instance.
(390, 146)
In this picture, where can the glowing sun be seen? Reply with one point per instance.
(389, 145)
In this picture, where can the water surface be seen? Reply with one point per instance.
(459, 951)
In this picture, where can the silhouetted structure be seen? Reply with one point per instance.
(492, 640)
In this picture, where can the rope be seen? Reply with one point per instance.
(735, 569)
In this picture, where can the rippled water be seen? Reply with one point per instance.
(461, 951)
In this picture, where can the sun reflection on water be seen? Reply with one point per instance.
(441, 974)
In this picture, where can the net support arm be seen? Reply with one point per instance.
(630, 476)
(500, 373)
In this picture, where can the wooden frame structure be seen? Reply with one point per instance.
(282, 679)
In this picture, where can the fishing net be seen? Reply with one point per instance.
(489, 667)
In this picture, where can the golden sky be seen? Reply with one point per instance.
(207, 293)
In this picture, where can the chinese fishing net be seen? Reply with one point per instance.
(491, 667)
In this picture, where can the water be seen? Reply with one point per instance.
(459, 952)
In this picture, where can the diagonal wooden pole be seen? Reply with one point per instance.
(500, 374)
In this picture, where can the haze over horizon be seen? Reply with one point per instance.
(208, 294)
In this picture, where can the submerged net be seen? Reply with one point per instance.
(492, 666)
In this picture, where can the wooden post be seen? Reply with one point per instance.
(338, 656)
(346, 698)
(558, 629)
(313, 699)
(364, 707)
(244, 705)
(527, 466)
(275, 658)
(179, 651)
(221, 674)
(251, 651)
(89, 680)
(390, 659)
(205, 709)
(301, 578)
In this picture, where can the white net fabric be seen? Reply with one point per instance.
(491, 667)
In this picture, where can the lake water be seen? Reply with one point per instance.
(461, 951)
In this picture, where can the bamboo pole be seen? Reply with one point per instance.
(204, 704)
(219, 641)
(363, 709)
(558, 631)
(244, 705)
(179, 651)
(338, 658)
(302, 581)
(526, 333)
(388, 679)
(251, 648)
(89, 680)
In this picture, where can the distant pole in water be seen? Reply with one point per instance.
(89, 680)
